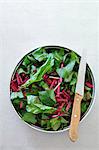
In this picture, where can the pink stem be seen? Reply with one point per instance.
(52, 84)
(68, 106)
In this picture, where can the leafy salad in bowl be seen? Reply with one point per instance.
(42, 87)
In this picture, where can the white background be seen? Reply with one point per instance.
(25, 25)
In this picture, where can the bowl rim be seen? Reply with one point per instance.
(93, 94)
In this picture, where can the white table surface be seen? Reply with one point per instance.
(25, 25)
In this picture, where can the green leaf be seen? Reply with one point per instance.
(46, 124)
(44, 116)
(40, 54)
(73, 88)
(55, 123)
(40, 72)
(47, 97)
(83, 107)
(56, 64)
(31, 99)
(45, 109)
(44, 85)
(87, 88)
(74, 78)
(43, 123)
(39, 108)
(64, 120)
(21, 70)
(29, 117)
(16, 101)
(58, 54)
(87, 96)
(33, 90)
(58, 57)
(74, 57)
(33, 109)
(28, 70)
(26, 61)
(35, 106)
(73, 81)
(88, 75)
(16, 95)
(65, 71)
(29, 60)
(65, 57)
(32, 70)
(68, 79)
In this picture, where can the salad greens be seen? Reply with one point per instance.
(66, 71)
(49, 95)
(40, 71)
(43, 87)
(40, 54)
(29, 117)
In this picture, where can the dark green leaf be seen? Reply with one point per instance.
(29, 117)
(55, 123)
(63, 120)
(33, 90)
(56, 64)
(47, 97)
(16, 101)
(44, 116)
(83, 107)
(74, 78)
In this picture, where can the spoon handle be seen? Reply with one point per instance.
(75, 118)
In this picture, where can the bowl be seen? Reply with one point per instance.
(48, 49)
